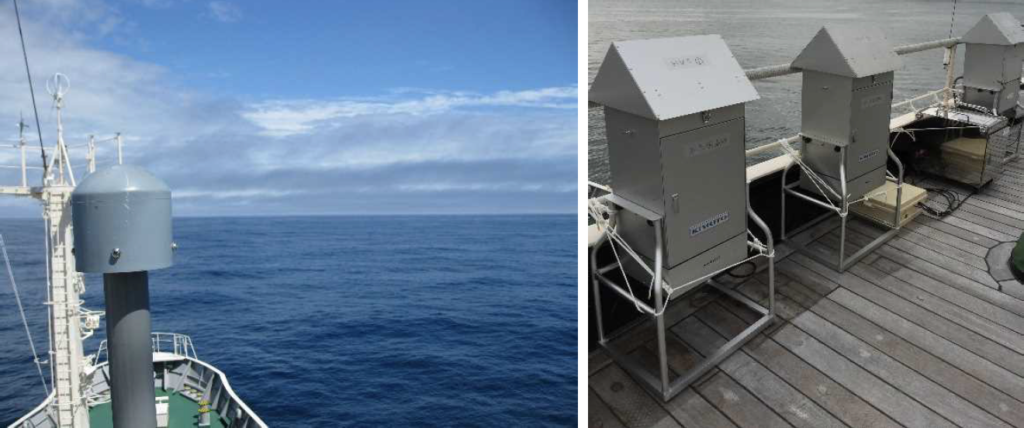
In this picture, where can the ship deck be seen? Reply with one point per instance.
(183, 413)
(917, 334)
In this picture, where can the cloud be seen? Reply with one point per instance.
(284, 118)
(224, 11)
(407, 150)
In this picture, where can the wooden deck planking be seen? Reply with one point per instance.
(739, 404)
(916, 334)
(941, 372)
(889, 399)
(959, 232)
(991, 399)
(979, 343)
(948, 237)
(599, 415)
(910, 382)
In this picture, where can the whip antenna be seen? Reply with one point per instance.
(31, 89)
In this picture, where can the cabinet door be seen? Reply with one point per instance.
(870, 110)
(705, 189)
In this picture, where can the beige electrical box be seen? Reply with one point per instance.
(880, 205)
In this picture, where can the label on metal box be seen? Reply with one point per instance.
(691, 61)
(701, 147)
(709, 223)
(872, 101)
(868, 155)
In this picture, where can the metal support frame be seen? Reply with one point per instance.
(843, 211)
(663, 386)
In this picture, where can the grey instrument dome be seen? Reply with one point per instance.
(122, 221)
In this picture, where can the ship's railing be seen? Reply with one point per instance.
(174, 343)
(930, 99)
(28, 151)
(935, 97)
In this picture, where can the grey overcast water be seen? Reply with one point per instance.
(770, 32)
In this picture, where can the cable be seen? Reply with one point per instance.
(31, 89)
(753, 270)
(24, 321)
(952, 19)
(953, 201)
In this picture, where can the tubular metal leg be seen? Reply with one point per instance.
(845, 201)
(659, 304)
(770, 243)
(899, 187)
(597, 291)
(782, 218)
(661, 385)
(844, 262)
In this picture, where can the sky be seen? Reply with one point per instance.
(315, 107)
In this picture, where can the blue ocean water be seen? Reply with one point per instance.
(351, 321)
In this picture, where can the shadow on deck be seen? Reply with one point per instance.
(917, 334)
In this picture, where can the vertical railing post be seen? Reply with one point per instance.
(92, 154)
(950, 61)
(120, 159)
(24, 169)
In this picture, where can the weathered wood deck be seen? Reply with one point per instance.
(917, 334)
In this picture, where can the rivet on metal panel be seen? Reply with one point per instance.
(116, 254)
(706, 116)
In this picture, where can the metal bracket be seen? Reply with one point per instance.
(662, 386)
(843, 262)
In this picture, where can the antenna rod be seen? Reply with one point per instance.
(31, 89)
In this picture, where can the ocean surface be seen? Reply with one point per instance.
(771, 32)
(350, 321)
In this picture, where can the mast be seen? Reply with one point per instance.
(66, 286)
(67, 361)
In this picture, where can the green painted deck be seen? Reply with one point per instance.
(184, 413)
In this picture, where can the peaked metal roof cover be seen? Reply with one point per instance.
(666, 78)
(848, 51)
(996, 29)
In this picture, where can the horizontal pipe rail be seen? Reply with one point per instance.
(786, 69)
(778, 143)
(924, 46)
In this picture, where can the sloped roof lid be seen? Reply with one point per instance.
(666, 78)
(848, 51)
(996, 29)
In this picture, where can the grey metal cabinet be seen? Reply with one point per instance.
(992, 63)
(705, 187)
(846, 104)
(674, 119)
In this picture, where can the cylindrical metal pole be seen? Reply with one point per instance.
(659, 308)
(24, 170)
(597, 291)
(132, 392)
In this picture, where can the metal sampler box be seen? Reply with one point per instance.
(674, 116)
(992, 63)
(846, 103)
(969, 151)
